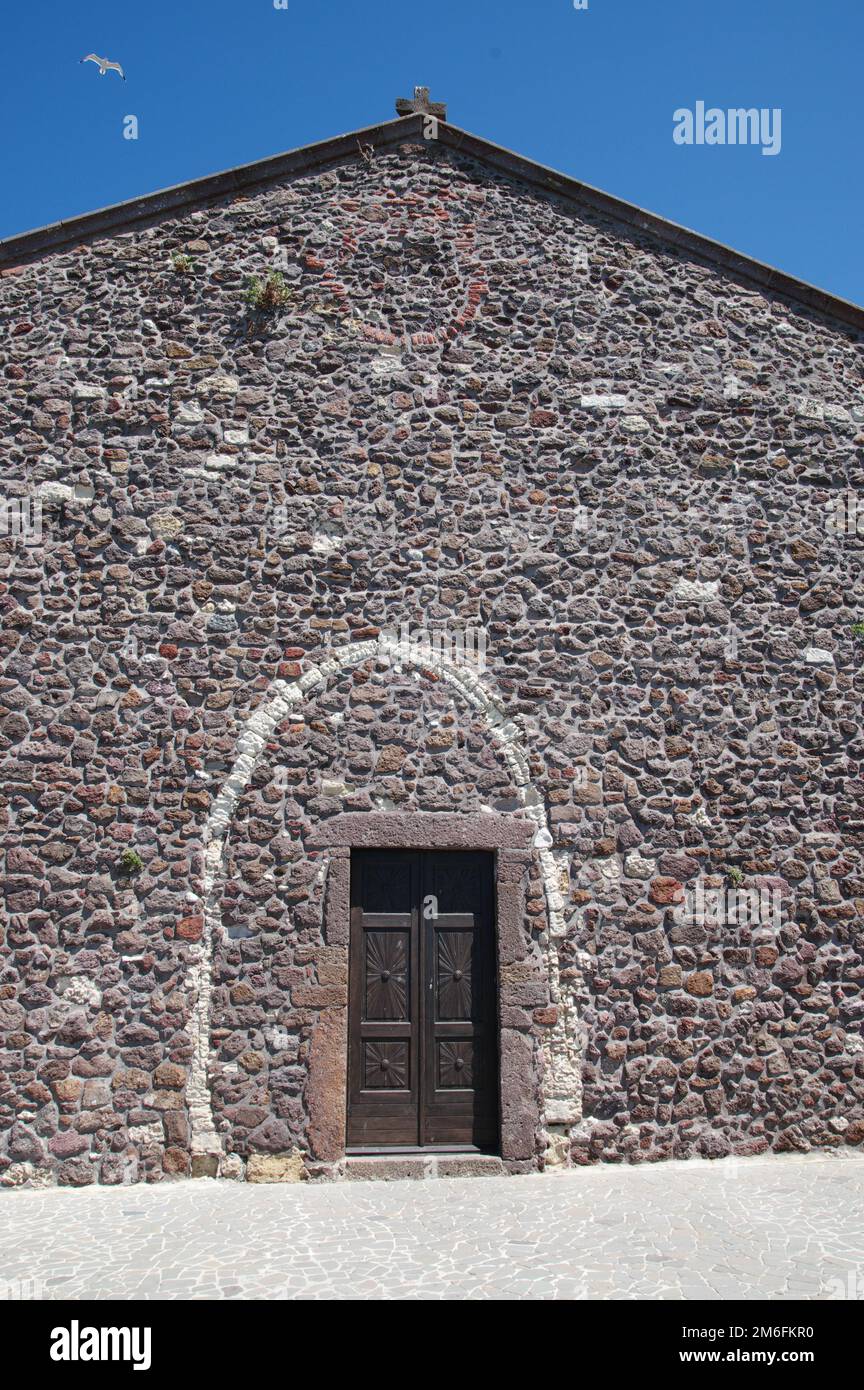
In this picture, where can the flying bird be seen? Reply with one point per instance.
(104, 65)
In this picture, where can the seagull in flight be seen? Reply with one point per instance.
(104, 65)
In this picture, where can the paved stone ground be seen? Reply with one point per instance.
(780, 1227)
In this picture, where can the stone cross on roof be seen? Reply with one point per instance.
(421, 105)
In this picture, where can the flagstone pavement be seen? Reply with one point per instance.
(780, 1227)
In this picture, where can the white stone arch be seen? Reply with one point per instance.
(562, 1047)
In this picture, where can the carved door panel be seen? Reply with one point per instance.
(384, 1000)
(460, 1084)
(422, 1061)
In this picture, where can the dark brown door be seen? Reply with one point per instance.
(422, 1051)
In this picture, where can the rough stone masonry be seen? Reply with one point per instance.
(489, 399)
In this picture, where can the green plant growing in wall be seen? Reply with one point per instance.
(182, 264)
(858, 629)
(131, 862)
(735, 876)
(266, 295)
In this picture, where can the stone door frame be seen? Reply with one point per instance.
(510, 838)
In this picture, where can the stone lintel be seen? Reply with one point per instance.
(423, 830)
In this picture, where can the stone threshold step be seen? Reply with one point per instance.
(398, 1167)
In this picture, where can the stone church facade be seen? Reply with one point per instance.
(504, 532)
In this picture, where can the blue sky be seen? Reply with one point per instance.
(590, 92)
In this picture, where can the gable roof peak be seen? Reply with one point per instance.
(120, 218)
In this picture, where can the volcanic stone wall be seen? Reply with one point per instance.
(479, 407)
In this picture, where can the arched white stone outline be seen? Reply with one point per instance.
(562, 1075)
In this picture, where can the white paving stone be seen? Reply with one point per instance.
(765, 1228)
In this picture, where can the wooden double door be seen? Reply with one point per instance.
(423, 1038)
